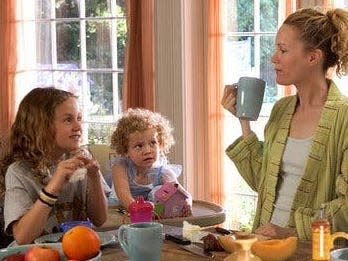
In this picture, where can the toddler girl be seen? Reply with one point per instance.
(142, 139)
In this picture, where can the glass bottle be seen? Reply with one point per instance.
(321, 236)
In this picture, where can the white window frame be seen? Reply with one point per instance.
(26, 79)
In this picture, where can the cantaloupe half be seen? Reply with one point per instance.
(228, 244)
(275, 249)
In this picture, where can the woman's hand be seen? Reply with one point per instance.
(228, 100)
(274, 231)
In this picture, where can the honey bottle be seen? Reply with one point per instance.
(321, 236)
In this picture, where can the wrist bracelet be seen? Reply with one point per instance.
(48, 194)
(46, 203)
(48, 199)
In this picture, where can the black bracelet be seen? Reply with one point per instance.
(49, 194)
(46, 203)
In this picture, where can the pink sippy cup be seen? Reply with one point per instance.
(140, 210)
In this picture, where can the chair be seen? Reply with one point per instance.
(103, 154)
(4, 238)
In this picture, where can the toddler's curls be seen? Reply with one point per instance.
(138, 119)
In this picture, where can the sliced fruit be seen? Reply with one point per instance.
(275, 249)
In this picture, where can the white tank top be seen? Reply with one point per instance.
(293, 163)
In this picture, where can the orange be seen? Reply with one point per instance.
(80, 243)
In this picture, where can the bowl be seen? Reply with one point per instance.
(339, 254)
(23, 248)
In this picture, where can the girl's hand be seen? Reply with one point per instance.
(91, 165)
(229, 100)
(89, 162)
(274, 231)
(65, 169)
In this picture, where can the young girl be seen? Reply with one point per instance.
(38, 167)
(142, 139)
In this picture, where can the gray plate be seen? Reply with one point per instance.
(106, 237)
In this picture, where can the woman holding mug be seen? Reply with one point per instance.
(303, 161)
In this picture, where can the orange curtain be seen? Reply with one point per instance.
(8, 60)
(313, 3)
(139, 80)
(214, 94)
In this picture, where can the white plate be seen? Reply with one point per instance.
(105, 238)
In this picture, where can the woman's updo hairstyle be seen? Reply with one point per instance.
(325, 31)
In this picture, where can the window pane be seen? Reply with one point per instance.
(120, 84)
(68, 43)
(239, 15)
(266, 68)
(98, 8)
(67, 8)
(121, 4)
(238, 58)
(43, 9)
(100, 133)
(98, 44)
(101, 94)
(43, 43)
(44, 78)
(64, 80)
(69, 81)
(268, 15)
(121, 42)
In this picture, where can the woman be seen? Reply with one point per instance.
(303, 160)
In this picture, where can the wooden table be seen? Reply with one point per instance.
(171, 251)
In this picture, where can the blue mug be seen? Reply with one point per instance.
(141, 241)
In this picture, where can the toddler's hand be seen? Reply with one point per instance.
(187, 210)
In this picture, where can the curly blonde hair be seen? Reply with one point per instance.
(138, 119)
(324, 31)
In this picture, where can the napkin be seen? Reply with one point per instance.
(78, 174)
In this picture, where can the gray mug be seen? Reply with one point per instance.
(141, 241)
(250, 91)
(339, 254)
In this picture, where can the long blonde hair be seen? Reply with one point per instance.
(32, 135)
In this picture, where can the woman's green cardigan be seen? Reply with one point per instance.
(325, 177)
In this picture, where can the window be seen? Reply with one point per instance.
(79, 46)
(251, 27)
(250, 32)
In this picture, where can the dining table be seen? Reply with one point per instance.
(172, 251)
